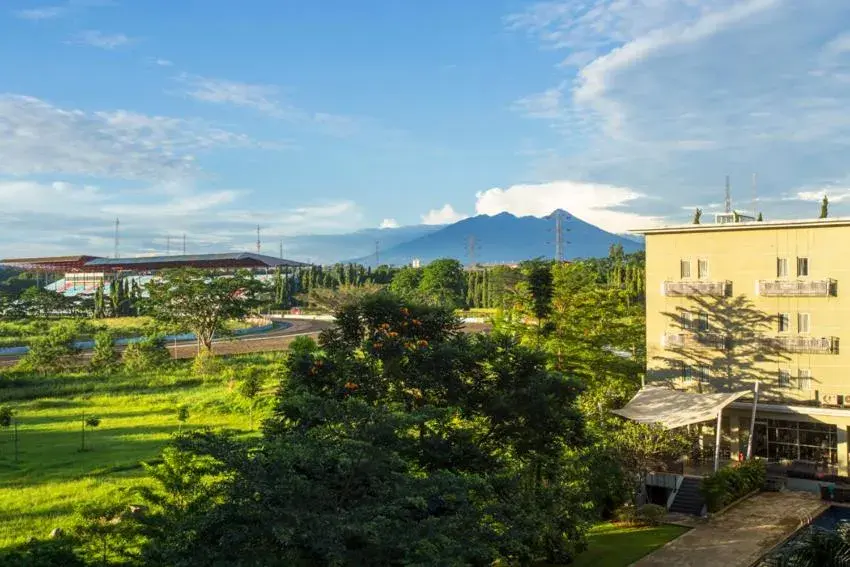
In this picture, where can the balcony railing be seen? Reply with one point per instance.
(697, 287)
(697, 340)
(797, 288)
(803, 344)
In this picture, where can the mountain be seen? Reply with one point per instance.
(505, 238)
(330, 248)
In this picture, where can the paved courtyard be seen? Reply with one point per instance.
(741, 535)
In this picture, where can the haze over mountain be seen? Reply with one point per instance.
(504, 238)
(330, 248)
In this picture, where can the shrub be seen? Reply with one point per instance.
(146, 354)
(56, 350)
(206, 364)
(651, 514)
(104, 358)
(626, 514)
(731, 483)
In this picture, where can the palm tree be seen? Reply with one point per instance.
(818, 548)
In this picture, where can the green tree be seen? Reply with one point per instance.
(87, 423)
(396, 440)
(57, 350)
(202, 302)
(182, 416)
(824, 207)
(405, 282)
(145, 354)
(697, 216)
(443, 282)
(252, 384)
(7, 420)
(103, 358)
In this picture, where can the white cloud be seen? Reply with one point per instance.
(163, 62)
(445, 215)
(221, 91)
(600, 205)
(37, 137)
(389, 223)
(102, 40)
(46, 13)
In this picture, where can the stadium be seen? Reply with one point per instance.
(83, 275)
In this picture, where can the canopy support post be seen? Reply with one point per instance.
(753, 422)
(717, 442)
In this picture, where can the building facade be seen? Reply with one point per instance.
(734, 303)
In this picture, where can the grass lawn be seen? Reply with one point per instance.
(138, 415)
(610, 545)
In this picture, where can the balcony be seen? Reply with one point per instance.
(797, 288)
(695, 340)
(803, 344)
(697, 287)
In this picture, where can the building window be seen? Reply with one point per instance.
(784, 378)
(702, 269)
(702, 322)
(803, 323)
(804, 379)
(685, 269)
(782, 267)
(687, 321)
(784, 322)
(802, 267)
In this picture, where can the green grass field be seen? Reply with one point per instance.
(611, 545)
(138, 416)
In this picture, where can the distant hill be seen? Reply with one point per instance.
(505, 238)
(330, 248)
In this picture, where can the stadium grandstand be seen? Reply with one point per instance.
(82, 275)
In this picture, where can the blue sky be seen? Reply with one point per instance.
(208, 117)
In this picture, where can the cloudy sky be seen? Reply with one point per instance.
(211, 117)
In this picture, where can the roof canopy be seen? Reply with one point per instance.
(228, 260)
(674, 408)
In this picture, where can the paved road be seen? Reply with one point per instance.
(741, 535)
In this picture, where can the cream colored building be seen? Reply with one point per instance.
(733, 303)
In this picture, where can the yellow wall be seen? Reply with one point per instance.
(744, 257)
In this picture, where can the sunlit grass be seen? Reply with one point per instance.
(138, 414)
(613, 545)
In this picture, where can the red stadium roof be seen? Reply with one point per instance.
(50, 264)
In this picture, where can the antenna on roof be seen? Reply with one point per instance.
(755, 196)
(258, 239)
(728, 196)
(117, 227)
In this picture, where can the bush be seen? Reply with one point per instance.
(206, 364)
(103, 358)
(146, 354)
(646, 515)
(55, 351)
(731, 483)
(651, 514)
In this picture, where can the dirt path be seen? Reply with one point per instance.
(741, 535)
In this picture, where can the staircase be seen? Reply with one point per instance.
(688, 499)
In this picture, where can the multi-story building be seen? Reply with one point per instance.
(730, 304)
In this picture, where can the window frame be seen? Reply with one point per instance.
(807, 317)
(781, 267)
(703, 323)
(783, 322)
(804, 379)
(703, 274)
(802, 261)
(683, 263)
(784, 378)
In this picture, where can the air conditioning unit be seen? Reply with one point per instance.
(831, 399)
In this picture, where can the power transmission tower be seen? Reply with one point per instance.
(258, 239)
(117, 228)
(377, 253)
(728, 196)
(281, 249)
(560, 241)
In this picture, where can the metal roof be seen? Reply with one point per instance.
(176, 260)
(48, 260)
(674, 408)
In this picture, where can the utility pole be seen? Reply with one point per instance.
(258, 239)
(560, 242)
(184, 243)
(728, 196)
(281, 249)
(117, 228)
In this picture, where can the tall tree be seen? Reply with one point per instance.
(824, 207)
(443, 282)
(201, 301)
